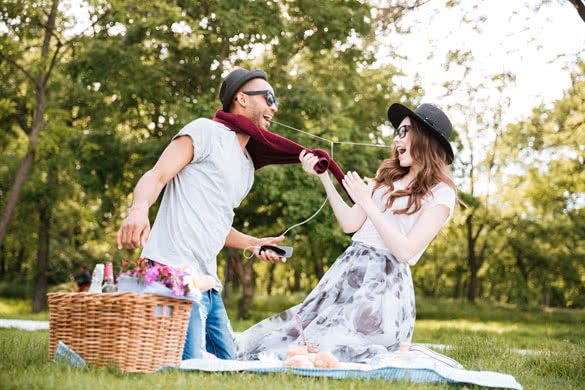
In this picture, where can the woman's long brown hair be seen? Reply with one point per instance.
(431, 160)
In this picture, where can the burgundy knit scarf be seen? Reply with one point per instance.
(267, 148)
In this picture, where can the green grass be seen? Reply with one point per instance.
(20, 309)
(482, 337)
(263, 307)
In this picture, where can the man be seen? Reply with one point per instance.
(207, 172)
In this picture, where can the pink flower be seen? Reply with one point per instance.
(151, 275)
(178, 290)
(170, 277)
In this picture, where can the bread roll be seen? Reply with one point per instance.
(299, 361)
(294, 350)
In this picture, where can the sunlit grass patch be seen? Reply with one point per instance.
(530, 336)
(11, 306)
(448, 309)
(468, 325)
(17, 308)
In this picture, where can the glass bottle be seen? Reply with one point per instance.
(97, 279)
(109, 285)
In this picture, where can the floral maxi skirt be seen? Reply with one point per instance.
(362, 308)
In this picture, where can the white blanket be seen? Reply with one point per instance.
(416, 366)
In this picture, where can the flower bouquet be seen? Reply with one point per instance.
(154, 278)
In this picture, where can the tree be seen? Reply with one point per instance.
(547, 192)
(579, 7)
(26, 23)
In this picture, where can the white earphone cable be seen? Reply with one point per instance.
(331, 145)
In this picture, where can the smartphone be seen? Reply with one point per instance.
(282, 251)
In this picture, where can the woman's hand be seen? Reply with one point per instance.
(309, 160)
(360, 192)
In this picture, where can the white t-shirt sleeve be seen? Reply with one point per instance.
(201, 133)
(443, 195)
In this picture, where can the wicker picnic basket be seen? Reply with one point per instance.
(136, 332)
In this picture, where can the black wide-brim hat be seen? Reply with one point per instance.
(431, 118)
(234, 81)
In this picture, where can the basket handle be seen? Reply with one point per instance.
(163, 310)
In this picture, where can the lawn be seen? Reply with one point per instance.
(543, 349)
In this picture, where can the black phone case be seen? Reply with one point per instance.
(282, 251)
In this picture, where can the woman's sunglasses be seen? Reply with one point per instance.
(268, 95)
(401, 131)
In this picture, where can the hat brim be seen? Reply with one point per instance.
(254, 74)
(396, 114)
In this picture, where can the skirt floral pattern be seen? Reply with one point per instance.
(362, 308)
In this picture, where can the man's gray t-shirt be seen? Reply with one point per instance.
(197, 208)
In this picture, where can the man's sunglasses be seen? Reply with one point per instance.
(268, 95)
(401, 131)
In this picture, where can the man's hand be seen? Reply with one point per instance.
(134, 230)
(269, 255)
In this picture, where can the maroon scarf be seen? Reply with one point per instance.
(267, 148)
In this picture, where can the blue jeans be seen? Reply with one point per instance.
(209, 329)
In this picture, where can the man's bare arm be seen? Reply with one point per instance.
(239, 240)
(136, 228)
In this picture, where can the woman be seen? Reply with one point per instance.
(364, 305)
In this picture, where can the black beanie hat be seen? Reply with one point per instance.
(234, 81)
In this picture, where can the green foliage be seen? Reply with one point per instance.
(14, 289)
(140, 73)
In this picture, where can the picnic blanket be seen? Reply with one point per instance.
(420, 365)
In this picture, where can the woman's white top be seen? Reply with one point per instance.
(441, 194)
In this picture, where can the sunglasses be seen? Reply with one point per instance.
(268, 95)
(401, 131)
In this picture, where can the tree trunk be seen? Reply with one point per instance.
(458, 282)
(37, 126)
(319, 272)
(316, 254)
(248, 291)
(231, 277)
(19, 260)
(40, 282)
(521, 266)
(545, 298)
(461, 286)
(246, 276)
(471, 261)
(235, 280)
(580, 7)
(2, 262)
(21, 176)
(297, 280)
(270, 284)
(227, 277)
